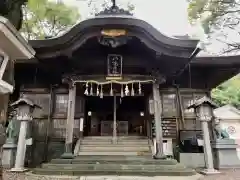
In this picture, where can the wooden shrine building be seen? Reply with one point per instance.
(115, 76)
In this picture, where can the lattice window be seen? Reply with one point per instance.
(59, 128)
(61, 104)
(187, 100)
(169, 104)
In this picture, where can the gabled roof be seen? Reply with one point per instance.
(86, 29)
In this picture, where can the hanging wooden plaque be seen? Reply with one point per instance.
(114, 32)
(114, 68)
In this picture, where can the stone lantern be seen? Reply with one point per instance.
(24, 109)
(203, 108)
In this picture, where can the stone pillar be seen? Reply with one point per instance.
(21, 147)
(204, 112)
(207, 146)
(68, 154)
(158, 122)
(114, 120)
(25, 109)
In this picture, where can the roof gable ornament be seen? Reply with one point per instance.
(113, 10)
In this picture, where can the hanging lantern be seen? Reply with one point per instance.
(139, 88)
(91, 90)
(126, 90)
(132, 91)
(86, 90)
(101, 93)
(111, 91)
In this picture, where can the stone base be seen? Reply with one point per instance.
(209, 172)
(67, 156)
(19, 170)
(192, 160)
(225, 154)
(159, 157)
(8, 155)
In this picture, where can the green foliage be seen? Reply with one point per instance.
(228, 92)
(212, 13)
(216, 15)
(44, 18)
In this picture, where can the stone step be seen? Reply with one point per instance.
(104, 167)
(114, 160)
(114, 165)
(126, 142)
(112, 153)
(119, 138)
(114, 148)
(125, 172)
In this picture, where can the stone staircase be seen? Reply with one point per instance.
(114, 165)
(129, 156)
(127, 146)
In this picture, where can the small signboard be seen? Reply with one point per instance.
(114, 68)
(114, 32)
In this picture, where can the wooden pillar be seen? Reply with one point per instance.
(49, 123)
(114, 120)
(70, 122)
(158, 122)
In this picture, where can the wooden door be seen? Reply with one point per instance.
(94, 127)
(106, 128)
(122, 128)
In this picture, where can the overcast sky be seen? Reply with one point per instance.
(168, 16)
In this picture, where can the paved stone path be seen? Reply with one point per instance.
(233, 174)
(196, 177)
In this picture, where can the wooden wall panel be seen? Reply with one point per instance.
(169, 104)
(41, 99)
